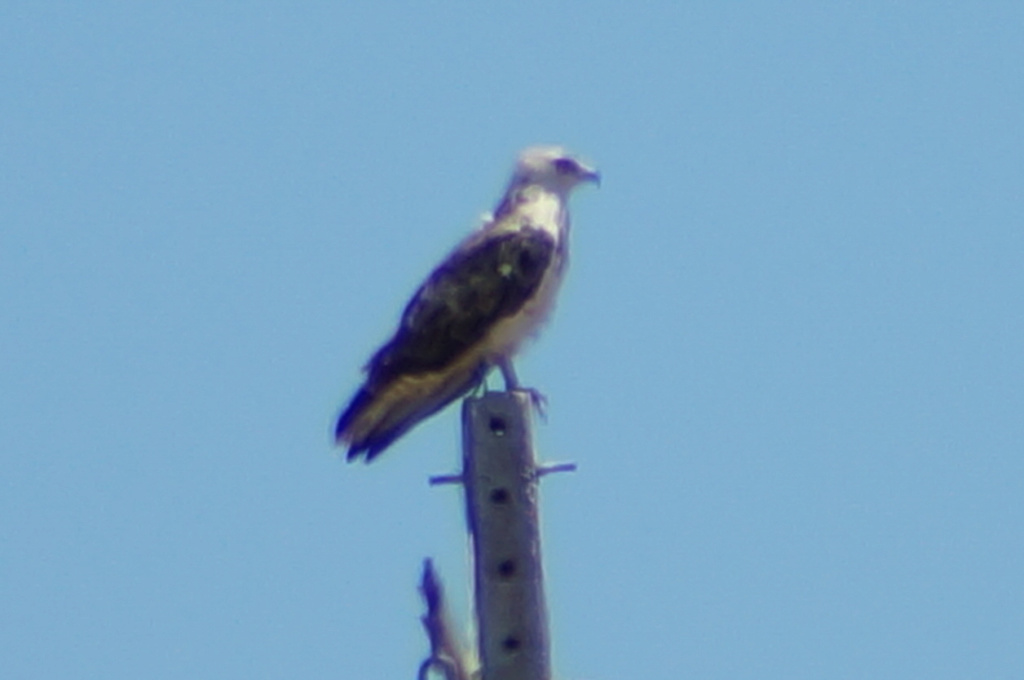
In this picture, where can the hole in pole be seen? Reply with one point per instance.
(511, 643)
(499, 496)
(498, 426)
(507, 569)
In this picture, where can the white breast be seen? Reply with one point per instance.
(546, 211)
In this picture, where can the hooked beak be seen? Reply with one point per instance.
(588, 174)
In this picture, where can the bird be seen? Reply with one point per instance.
(475, 309)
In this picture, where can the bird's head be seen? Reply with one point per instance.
(553, 168)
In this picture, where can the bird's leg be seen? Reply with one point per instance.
(508, 373)
(480, 387)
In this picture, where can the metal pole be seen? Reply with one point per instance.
(500, 476)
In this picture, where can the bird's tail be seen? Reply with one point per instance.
(374, 419)
(343, 430)
(362, 426)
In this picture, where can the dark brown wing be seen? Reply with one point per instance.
(462, 299)
(451, 312)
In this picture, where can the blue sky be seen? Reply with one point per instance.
(788, 358)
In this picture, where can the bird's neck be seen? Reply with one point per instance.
(534, 204)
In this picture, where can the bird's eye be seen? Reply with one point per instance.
(566, 166)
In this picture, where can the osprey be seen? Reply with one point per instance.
(474, 310)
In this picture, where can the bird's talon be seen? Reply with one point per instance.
(539, 401)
